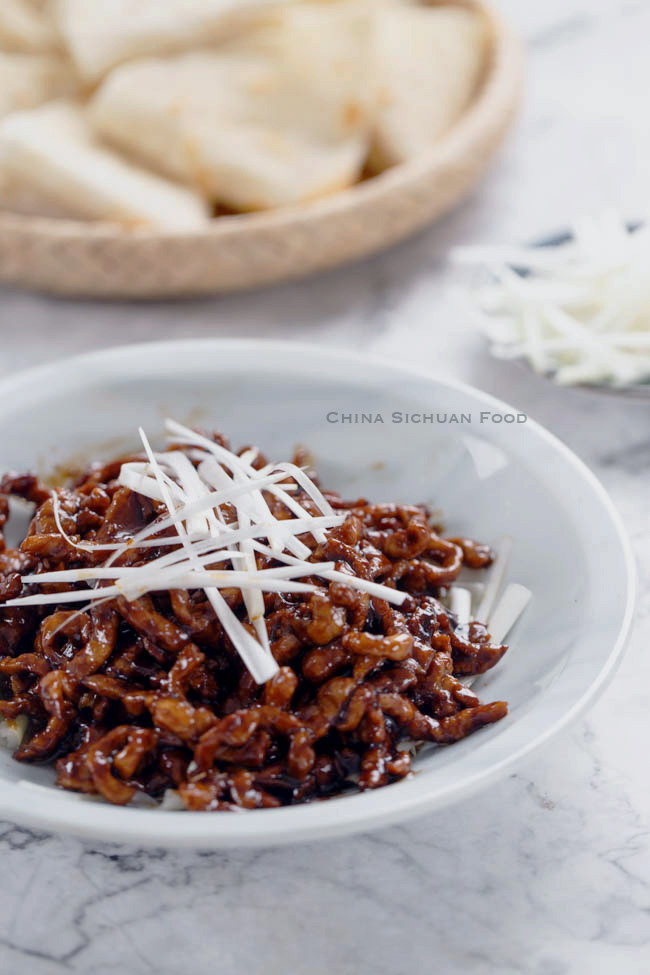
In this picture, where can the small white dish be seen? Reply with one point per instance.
(490, 478)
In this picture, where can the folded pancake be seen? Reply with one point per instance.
(26, 26)
(280, 117)
(17, 198)
(428, 62)
(50, 156)
(28, 80)
(103, 33)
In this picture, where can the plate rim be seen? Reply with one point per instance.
(186, 829)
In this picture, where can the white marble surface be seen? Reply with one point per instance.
(547, 874)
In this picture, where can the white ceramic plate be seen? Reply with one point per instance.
(489, 478)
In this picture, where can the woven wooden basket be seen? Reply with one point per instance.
(243, 251)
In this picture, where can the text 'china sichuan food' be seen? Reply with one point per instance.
(210, 631)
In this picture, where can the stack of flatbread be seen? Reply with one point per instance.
(158, 112)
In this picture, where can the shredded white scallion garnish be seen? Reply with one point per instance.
(194, 480)
(579, 311)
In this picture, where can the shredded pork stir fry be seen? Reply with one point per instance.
(204, 622)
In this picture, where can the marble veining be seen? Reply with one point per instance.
(548, 872)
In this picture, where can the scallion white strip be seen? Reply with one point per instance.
(496, 575)
(508, 610)
(460, 604)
